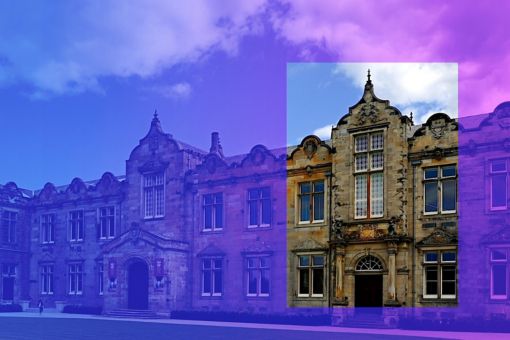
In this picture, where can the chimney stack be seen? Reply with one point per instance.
(215, 144)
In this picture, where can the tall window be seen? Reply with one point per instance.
(369, 175)
(311, 275)
(48, 228)
(259, 204)
(100, 277)
(76, 278)
(440, 275)
(9, 226)
(76, 225)
(499, 184)
(212, 277)
(311, 202)
(213, 211)
(154, 195)
(257, 275)
(499, 274)
(46, 283)
(440, 189)
(107, 222)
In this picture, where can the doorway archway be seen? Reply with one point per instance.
(368, 286)
(138, 284)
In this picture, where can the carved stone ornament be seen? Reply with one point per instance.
(368, 113)
(439, 237)
(135, 233)
(257, 157)
(310, 148)
(503, 116)
(438, 128)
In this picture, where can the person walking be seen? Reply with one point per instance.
(41, 306)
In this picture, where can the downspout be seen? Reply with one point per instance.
(414, 163)
(329, 175)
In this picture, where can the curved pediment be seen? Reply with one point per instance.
(438, 237)
(257, 156)
(438, 125)
(77, 187)
(107, 183)
(310, 146)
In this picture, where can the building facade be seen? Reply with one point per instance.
(368, 218)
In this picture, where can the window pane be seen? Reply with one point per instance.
(361, 162)
(318, 206)
(208, 199)
(361, 195)
(318, 186)
(448, 257)
(431, 281)
(361, 143)
(264, 193)
(253, 205)
(498, 166)
(448, 171)
(448, 280)
(218, 281)
(252, 282)
(377, 141)
(376, 194)
(208, 217)
(266, 211)
(304, 261)
(304, 281)
(218, 221)
(305, 208)
(431, 257)
(430, 173)
(318, 279)
(449, 195)
(499, 280)
(431, 196)
(305, 187)
(377, 160)
(264, 282)
(498, 255)
(218, 263)
(318, 261)
(207, 282)
(498, 191)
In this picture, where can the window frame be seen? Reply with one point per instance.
(368, 172)
(495, 262)
(78, 289)
(493, 174)
(109, 226)
(8, 225)
(212, 270)
(213, 205)
(440, 179)
(439, 264)
(70, 221)
(259, 270)
(153, 189)
(310, 268)
(311, 204)
(260, 207)
(44, 225)
(47, 284)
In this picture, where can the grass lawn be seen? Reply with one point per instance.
(41, 328)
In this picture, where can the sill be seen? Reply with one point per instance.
(259, 296)
(497, 208)
(76, 241)
(47, 243)
(500, 298)
(153, 218)
(212, 296)
(211, 231)
(313, 296)
(46, 293)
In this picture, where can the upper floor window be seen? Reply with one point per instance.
(311, 201)
(369, 175)
(76, 278)
(9, 219)
(46, 283)
(154, 195)
(107, 222)
(76, 225)
(259, 205)
(257, 275)
(440, 275)
(212, 277)
(213, 211)
(311, 275)
(440, 189)
(48, 228)
(498, 184)
(499, 274)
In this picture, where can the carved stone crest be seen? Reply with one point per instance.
(310, 148)
(438, 128)
(368, 113)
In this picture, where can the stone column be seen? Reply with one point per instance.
(340, 260)
(392, 275)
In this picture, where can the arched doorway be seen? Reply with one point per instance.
(138, 285)
(368, 287)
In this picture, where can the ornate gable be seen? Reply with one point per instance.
(438, 237)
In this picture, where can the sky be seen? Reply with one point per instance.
(79, 81)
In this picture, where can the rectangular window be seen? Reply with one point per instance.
(76, 225)
(440, 189)
(369, 175)
(100, 277)
(9, 219)
(213, 211)
(499, 274)
(498, 184)
(311, 202)
(48, 228)
(440, 275)
(311, 275)
(107, 222)
(46, 281)
(154, 195)
(212, 277)
(76, 279)
(257, 275)
(259, 206)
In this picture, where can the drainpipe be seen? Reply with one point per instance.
(414, 163)
(329, 175)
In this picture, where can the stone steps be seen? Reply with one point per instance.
(132, 313)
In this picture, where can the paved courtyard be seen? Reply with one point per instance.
(31, 326)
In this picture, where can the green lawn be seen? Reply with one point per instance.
(41, 328)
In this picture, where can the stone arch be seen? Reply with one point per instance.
(359, 256)
(369, 263)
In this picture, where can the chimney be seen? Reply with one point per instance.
(215, 144)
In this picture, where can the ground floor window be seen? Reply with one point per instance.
(76, 278)
(46, 281)
(311, 275)
(212, 277)
(499, 274)
(440, 274)
(257, 274)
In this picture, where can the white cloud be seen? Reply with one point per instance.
(423, 88)
(323, 133)
(176, 91)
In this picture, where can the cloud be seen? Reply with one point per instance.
(417, 87)
(87, 42)
(176, 91)
(323, 133)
